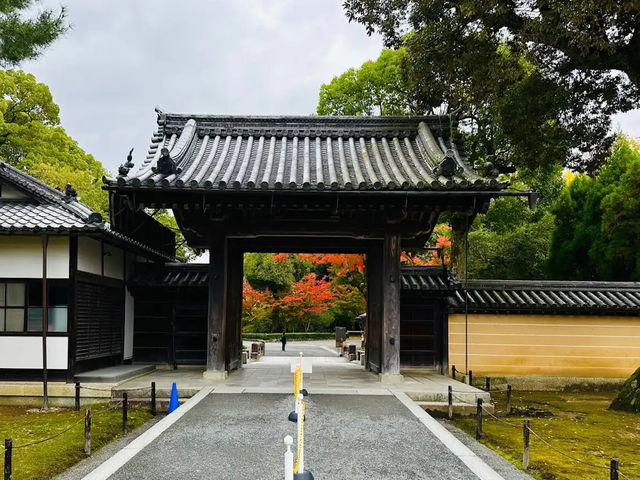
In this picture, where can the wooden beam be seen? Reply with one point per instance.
(390, 362)
(217, 311)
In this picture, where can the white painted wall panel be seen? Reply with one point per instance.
(26, 352)
(113, 262)
(89, 255)
(128, 324)
(21, 257)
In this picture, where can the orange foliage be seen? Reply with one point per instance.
(409, 258)
(343, 263)
(310, 295)
(252, 297)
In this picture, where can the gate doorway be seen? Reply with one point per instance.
(304, 295)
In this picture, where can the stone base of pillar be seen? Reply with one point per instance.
(391, 378)
(215, 374)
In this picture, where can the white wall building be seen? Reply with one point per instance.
(90, 311)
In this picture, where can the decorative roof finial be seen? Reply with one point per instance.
(448, 167)
(166, 165)
(490, 169)
(70, 192)
(129, 163)
(123, 170)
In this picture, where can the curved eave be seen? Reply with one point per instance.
(488, 191)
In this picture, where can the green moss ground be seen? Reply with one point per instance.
(581, 425)
(25, 425)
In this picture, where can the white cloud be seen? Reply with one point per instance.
(123, 58)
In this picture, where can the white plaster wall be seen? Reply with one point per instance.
(26, 352)
(113, 262)
(129, 309)
(9, 192)
(89, 255)
(21, 257)
(128, 324)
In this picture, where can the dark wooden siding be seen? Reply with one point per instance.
(417, 335)
(190, 334)
(170, 325)
(152, 328)
(99, 304)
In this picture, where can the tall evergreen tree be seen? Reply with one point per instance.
(25, 33)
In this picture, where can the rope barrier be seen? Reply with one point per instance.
(538, 436)
(37, 442)
(50, 438)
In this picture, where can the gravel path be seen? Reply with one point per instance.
(240, 436)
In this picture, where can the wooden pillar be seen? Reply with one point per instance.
(217, 312)
(390, 361)
(234, 306)
(374, 308)
(444, 316)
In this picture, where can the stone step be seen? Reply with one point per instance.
(442, 408)
(443, 396)
(114, 374)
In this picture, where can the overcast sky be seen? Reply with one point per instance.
(124, 57)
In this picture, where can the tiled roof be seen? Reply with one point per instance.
(171, 275)
(46, 194)
(429, 279)
(16, 216)
(303, 153)
(549, 297)
(49, 210)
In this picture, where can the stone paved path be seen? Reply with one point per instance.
(347, 436)
(308, 349)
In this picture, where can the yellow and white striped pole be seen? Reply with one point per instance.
(299, 468)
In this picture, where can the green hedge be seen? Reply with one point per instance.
(275, 337)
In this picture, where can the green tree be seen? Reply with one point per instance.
(510, 241)
(597, 228)
(24, 35)
(263, 273)
(32, 140)
(537, 80)
(520, 253)
(376, 88)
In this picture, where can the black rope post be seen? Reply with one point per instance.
(470, 377)
(453, 372)
(77, 396)
(87, 432)
(153, 398)
(525, 443)
(8, 447)
(487, 384)
(450, 400)
(479, 419)
(124, 412)
(613, 469)
(508, 399)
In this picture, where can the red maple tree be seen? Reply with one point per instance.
(308, 299)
